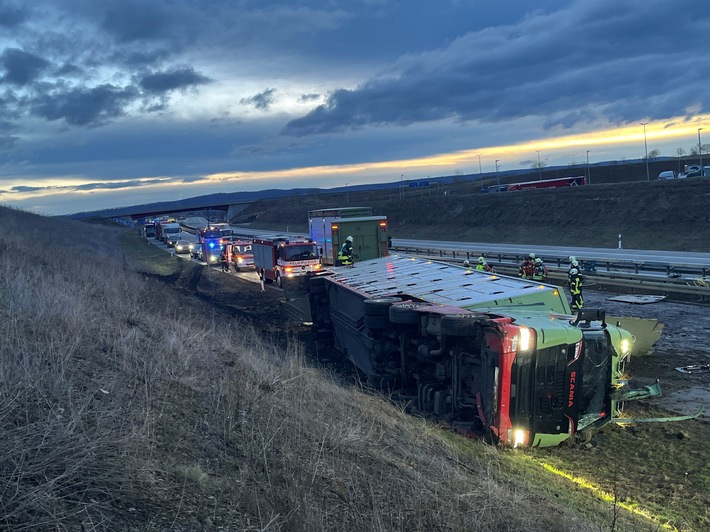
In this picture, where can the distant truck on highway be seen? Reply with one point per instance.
(329, 228)
(279, 258)
(171, 232)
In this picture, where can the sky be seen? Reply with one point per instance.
(114, 103)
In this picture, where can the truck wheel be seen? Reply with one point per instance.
(379, 306)
(460, 324)
(377, 312)
(279, 280)
(316, 285)
(405, 313)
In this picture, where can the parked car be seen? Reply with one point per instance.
(668, 174)
(183, 246)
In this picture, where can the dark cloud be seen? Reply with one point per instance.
(21, 67)
(308, 97)
(261, 101)
(11, 16)
(161, 82)
(85, 106)
(8, 142)
(137, 21)
(193, 179)
(21, 188)
(591, 60)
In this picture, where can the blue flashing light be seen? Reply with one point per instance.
(211, 244)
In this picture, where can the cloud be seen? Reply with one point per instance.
(589, 61)
(8, 142)
(85, 106)
(161, 82)
(11, 16)
(261, 101)
(21, 67)
(304, 98)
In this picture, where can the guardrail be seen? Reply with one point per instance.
(668, 286)
(670, 270)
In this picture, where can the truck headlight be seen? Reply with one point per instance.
(518, 437)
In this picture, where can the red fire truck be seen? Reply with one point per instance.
(282, 258)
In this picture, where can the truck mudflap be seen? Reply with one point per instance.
(694, 415)
(631, 393)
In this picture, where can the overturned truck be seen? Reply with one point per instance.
(497, 357)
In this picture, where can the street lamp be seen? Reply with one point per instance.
(497, 175)
(539, 166)
(480, 171)
(648, 176)
(589, 174)
(700, 152)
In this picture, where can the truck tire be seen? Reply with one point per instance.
(279, 281)
(460, 324)
(405, 313)
(316, 285)
(379, 306)
(377, 312)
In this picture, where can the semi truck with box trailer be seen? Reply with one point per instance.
(171, 232)
(498, 357)
(278, 259)
(329, 228)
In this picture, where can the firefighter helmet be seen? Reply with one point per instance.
(532, 256)
(572, 259)
(538, 260)
(575, 263)
(466, 263)
(574, 271)
(481, 260)
(349, 239)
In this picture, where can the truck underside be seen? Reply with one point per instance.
(448, 363)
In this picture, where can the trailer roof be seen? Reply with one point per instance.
(447, 284)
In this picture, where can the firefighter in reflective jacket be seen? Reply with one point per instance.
(539, 271)
(575, 288)
(483, 266)
(345, 256)
(525, 269)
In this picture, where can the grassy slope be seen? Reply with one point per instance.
(131, 400)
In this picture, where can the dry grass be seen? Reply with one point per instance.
(121, 407)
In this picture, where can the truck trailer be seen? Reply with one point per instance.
(329, 228)
(280, 258)
(499, 358)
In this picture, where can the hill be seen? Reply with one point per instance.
(671, 215)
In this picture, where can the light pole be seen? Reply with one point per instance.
(539, 166)
(589, 174)
(347, 194)
(700, 153)
(645, 145)
(480, 171)
(497, 175)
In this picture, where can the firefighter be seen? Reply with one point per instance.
(539, 272)
(572, 263)
(575, 287)
(345, 256)
(525, 270)
(466, 263)
(483, 266)
(224, 264)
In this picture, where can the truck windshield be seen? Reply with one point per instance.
(172, 230)
(305, 252)
(594, 400)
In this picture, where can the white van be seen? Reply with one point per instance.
(668, 174)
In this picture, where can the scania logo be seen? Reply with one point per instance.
(570, 396)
